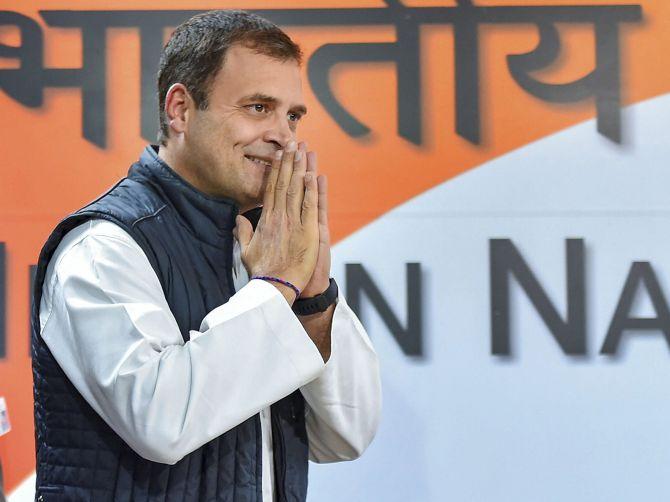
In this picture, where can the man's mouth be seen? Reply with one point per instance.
(261, 161)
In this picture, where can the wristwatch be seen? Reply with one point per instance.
(318, 303)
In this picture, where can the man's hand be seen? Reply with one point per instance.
(318, 325)
(274, 253)
(320, 279)
(286, 241)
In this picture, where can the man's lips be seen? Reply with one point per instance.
(261, 161)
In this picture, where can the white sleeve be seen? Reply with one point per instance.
(106, 321)
(344, 402)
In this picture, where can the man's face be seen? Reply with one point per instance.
(255, 103)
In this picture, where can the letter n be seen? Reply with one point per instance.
(410, 339)
(640, 273)
(506, 261)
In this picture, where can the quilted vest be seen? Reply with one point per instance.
(187, 237)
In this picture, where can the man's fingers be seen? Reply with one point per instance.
(322, 191)
(296, 189)
(310, 203)
(284, 179)
(322, 183)
(324, 233)
(271, 183)
(311, 163)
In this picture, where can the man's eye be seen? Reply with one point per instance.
(293, 117)
(258, 107)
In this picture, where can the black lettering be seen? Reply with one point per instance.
(26, 84)
(641, 274)
(151, 39)
(603, 83)
(405, 53)
(410, 339)
(466, 69)
(505, 260)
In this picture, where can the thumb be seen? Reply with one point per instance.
(243, 231)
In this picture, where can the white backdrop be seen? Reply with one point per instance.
(464, 425)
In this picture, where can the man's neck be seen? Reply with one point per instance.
(168, 156)
(174, 160)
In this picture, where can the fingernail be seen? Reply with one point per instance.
(298, 156)
(278, 154)
(291, 146)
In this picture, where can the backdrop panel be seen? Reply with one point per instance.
(498, 176)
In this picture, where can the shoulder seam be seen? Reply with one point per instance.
(155, 213)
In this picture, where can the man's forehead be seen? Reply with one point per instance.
(245, 72)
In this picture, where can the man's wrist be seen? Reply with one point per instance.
(312, 290)
(318, 327)
(287, 292)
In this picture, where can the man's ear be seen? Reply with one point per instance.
(177, 104)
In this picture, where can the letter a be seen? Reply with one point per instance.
(640, 273)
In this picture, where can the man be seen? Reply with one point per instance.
(161, 371)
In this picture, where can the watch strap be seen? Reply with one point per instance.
(318, 303)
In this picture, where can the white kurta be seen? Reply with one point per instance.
(104, 317)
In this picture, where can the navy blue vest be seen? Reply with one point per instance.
(187, 238)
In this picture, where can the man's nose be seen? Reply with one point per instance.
(279, 132)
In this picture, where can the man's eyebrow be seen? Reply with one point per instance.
(264, 98)
(299, 109)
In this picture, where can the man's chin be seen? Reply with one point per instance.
(253, 199)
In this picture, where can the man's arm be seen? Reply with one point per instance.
(107, 323)
(318, 327)
(344, 402)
